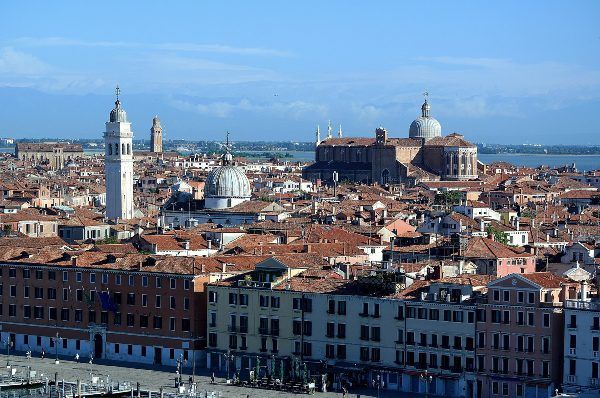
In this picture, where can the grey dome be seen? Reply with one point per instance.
(118, 114)
(425, 126)
(227, 181)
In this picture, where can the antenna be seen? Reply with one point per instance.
(117, 91)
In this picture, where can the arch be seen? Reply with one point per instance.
(385, 177)
(110, 149)
(129, 149)
(122, 148)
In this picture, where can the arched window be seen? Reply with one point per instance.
(110, 149)
(129, 149)
(123, 149)
(385, 177)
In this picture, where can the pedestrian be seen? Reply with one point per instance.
(77, 357)
(212, 378)
(43, 353)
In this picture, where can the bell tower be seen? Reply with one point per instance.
(118, 164)
(156, 133)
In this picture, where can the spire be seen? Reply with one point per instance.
(318, 135)
(340, 132)
(227, 158)
(425, 108)
(329, 129)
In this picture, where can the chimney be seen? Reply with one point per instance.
(74, 261)
(186, 245)
(209, 244)
(517, 224)
(203, 269)
(223, 267)
(584, 290)
(532, 223)
(461, 265)
(481, 225)
(547, 237)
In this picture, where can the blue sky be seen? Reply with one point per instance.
(498, 72)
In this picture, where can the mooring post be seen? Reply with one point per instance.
(78, 388)
(162, 393)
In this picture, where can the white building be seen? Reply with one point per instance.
(119, 164)
(581, 372)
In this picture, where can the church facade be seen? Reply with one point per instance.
(425, 156)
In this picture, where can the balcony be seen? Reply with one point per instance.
(572, 379)
(594, 382)
(243, 348)
(233, 329)
(375, 338)
(456, 369)
(421, 344)
(330, 312)
(255, 284)
(399, 318)
(210, 325)
(572, 326)
(375, 316)
(263, 330)
(399, 342)
(341, 336)
(243, 329)
(330, 335)
(263, 350)
(274, 332)
(421, 365)
(274, 351)
(364, 314)
(572, 351)
(595, 328)
(364, 338)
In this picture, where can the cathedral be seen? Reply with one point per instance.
(118, 164)
(425, 155)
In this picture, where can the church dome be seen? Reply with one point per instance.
(118, 114)
(425, 126)
(227, 181)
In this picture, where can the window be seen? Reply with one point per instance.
(212, 297)
(341, 351)
(531, 298)
(144, 300)
(143, 321)
(530, 319)
(131, 280)
(233, 298)
(546, 320)
(171, 302)
(172, 283)
(506, 295)
(496, 295)
(131, 298)
(157, 322)
(275, 302)
(158, 301)
(144, 281)
(92, 277)
(105, 278)
(185, 324)
(65, 276)
(342, 309)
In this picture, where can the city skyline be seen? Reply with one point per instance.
(205, 69)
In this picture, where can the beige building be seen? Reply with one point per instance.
(55, 154)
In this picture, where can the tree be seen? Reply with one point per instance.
(498, 235)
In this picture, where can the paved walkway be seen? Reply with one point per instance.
(155, 377)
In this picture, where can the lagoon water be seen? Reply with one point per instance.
(582, 162)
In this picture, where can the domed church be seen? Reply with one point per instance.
(425, 155)
(226, 186)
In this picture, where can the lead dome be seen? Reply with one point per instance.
(425, 126)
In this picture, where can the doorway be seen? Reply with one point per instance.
(98, 346)
(157, 356)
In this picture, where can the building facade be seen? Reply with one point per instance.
(582, 346)
(142, 315)
(56, 154)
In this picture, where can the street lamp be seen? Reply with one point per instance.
(9, 344)
(427, 378)
(56, 339)
(228, 356)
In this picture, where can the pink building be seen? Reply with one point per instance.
(495, 258)
(520, 335)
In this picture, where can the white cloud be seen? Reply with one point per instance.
(14, 62)
(183, 47)
(223, 109)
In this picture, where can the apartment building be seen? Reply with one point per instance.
(133, 308)
(582, 345)
(352, 331)
(520, 335)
